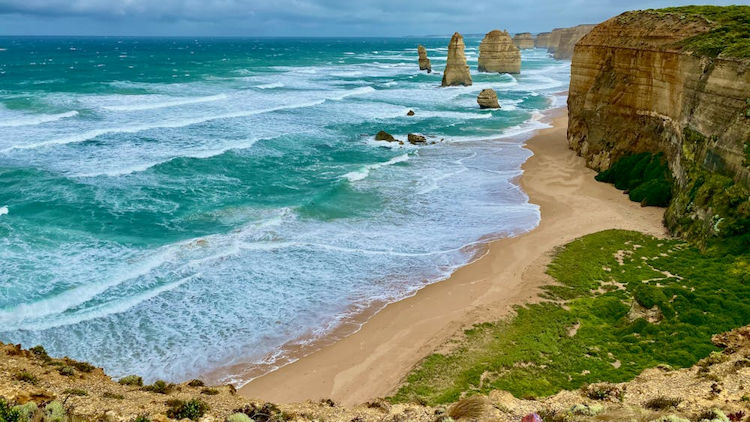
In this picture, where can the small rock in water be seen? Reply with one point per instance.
(384, 136)
(410, 113)
(416, 139)
(488, 99)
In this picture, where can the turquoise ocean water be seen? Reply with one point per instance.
(171, 206)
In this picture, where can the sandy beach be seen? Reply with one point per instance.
(372, 362)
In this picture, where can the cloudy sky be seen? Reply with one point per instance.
(306, 17)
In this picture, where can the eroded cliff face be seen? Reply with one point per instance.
(563, 40)
(542, 40)
(456, 70)
(524, 40)
(633, 89)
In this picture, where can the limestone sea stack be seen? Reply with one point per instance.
(456, 70)
(488, 99)
(498, 54)
(524, 40)
(424, 62)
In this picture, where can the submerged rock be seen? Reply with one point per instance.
(385, 136)
(456, 70)
(498, 54)
(415, 139)
(410, 113)
(488, 99)
(424, 62)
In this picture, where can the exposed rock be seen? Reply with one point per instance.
(385, 136)
(410, 113)
(497, 53)
(488, 99)
(415, 139)
(568, 40)
(542, 40)
(456, 70)
(424, 62)
(634, 90)
(524, 40)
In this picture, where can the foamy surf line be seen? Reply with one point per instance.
(33, 120)
(165, 104)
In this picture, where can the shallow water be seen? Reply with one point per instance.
(168, 206)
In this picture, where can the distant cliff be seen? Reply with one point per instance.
(672, 81)
(561, 41)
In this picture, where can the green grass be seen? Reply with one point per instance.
(646, 176)
(533, 354)
(730, 37)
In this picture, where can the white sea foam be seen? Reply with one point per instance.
(365, 171)
(32, 119)
(270, 85)
(165, 104)
(4, 210)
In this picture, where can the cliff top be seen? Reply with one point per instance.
(730, 35)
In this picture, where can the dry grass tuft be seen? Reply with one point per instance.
(468, 408)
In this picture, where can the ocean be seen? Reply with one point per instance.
(170, 206)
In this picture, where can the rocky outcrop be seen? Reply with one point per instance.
(424, 62)
(633, 89)
(567, 39)
(542, 40)
(415, 139)
(385, 136)
(456, 70)
(497, 53)
(524, 40)
(488, 99)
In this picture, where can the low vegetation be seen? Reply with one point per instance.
(645, 176)
(729, 38)
(635, 301)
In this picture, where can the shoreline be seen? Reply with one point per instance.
(391, 339)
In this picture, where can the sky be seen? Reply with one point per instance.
(335, 18)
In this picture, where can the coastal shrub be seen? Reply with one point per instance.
(159, 386)
(142, 418)
(66, 371)
(25, 411)
(28, 377)
(662, 403)
(729, 36)
(267, 412)
(75, 392)
(532, 353)
(469, 408)
(210, 391)
(8, 414)
(239, 417)
(40, 353)
(111, 395)
(196, 383)
(132, 380)
(54, 412)
(646, 176)
(192, 409)
(81, 366)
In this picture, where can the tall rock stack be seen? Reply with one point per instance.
(424, 62)
(524, 40)
(498, 54)
(456, 70)
(542, 40)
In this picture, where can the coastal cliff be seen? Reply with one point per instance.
(561, 41)
(524, 40)
(497, 53)
(661, 82)
(542, 40)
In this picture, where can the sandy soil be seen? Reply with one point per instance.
(372, 362)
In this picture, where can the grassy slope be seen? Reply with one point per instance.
(533, 354)
(731, 38)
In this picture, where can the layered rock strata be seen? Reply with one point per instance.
(497, 53)
(542, 40)
(456, 70)
(562, 45)
(634, 89)
(424, 61)
(488, 99)
(524, 40)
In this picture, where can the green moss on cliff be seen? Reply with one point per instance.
(730, 37)
(590, 330)
(646, 176)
